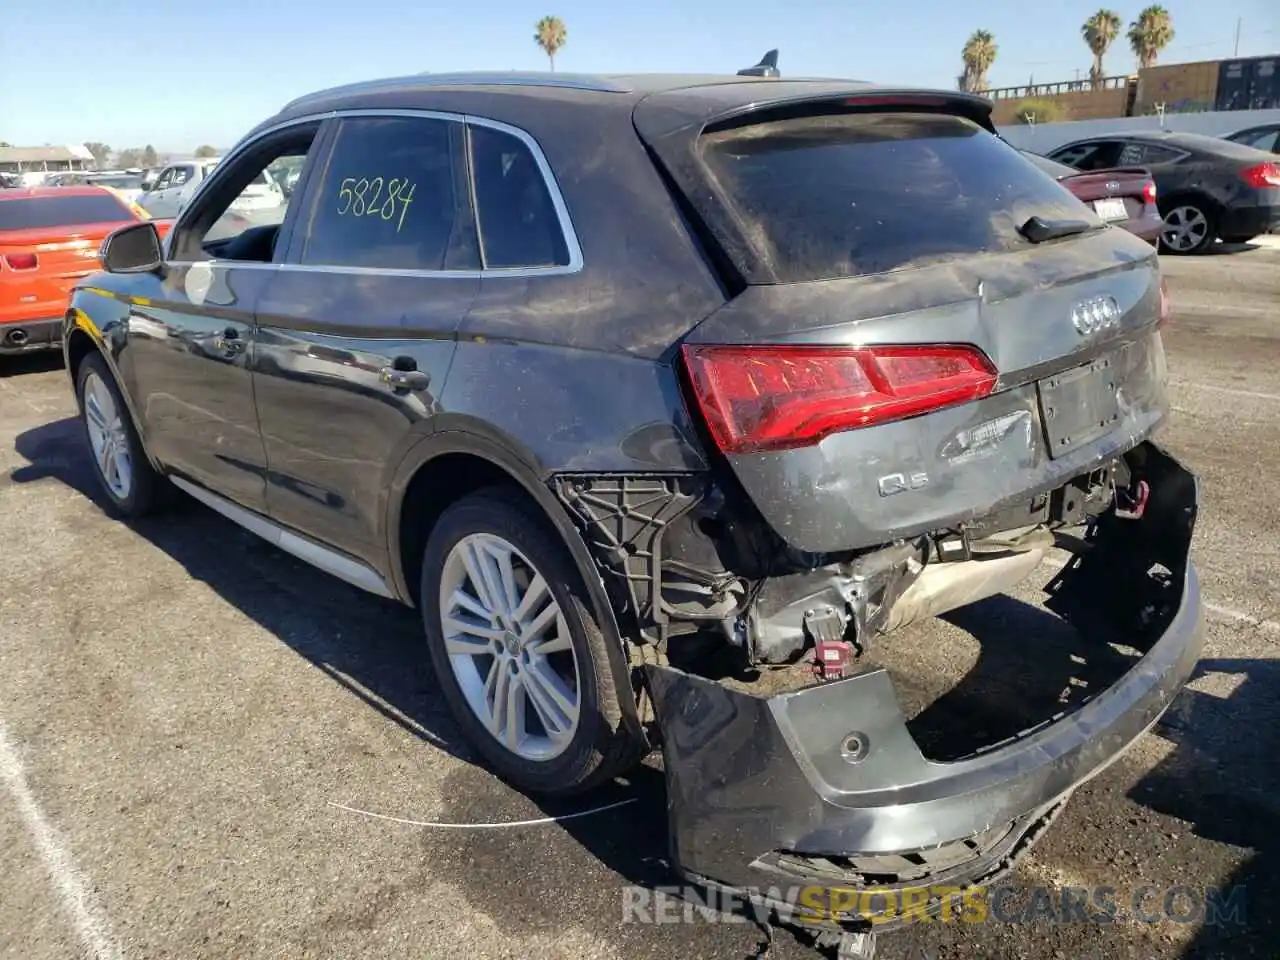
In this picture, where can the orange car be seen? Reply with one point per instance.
(49, 239)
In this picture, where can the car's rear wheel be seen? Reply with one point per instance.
(124, 474)
(522, 661)
(1188, 228)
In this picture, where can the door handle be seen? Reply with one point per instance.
(404, 379)
(229, 341)
(403, 374)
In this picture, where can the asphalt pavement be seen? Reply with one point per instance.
(208, 749)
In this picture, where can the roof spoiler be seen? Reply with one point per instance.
(767, 67)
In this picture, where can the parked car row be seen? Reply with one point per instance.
(1125, 196)
(1204, 188)
(50, 239)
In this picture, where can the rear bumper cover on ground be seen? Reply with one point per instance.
(826, 786)
(22, 336)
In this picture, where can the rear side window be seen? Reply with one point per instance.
(393, 197)
(35, 213)
(1135, 154)
(518, 222)
(837, 196)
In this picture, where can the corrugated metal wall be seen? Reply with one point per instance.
(1181, 87)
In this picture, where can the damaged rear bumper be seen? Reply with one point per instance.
(825, 786)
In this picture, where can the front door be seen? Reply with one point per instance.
(191, 334)
(357, 327)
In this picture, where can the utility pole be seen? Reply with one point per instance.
(1237, 50)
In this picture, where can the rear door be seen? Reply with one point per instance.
(357, 330)
(930, 328)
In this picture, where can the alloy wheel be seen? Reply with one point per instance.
(108, 437)
(1184, 229)
(509, 647)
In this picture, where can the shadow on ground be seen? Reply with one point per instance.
(1224, 781)
(22, 364)
(533, 882)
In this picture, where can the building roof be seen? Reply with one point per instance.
(74, 151)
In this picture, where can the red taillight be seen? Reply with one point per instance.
(21, 261)
(1149, 192)
(771, 398)
(1262, 175)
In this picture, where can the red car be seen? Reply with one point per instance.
(49, 239)
(1125, 196)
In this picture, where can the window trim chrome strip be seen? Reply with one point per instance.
(567, 230)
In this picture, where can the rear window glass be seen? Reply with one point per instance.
(34, 213)
(836, 196)
(121, 183)
(1051, 167)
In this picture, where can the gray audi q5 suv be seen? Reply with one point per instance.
(613, 376)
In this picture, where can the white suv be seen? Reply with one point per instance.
(177, 183)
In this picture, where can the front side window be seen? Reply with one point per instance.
(181, 175)
(1098, 155)
(518, 222)
(234, 218)
(165, 179)
(392, 196)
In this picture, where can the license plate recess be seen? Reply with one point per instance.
(1079, 405)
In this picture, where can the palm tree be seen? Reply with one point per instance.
(978, 54)
(1150, 33)
(1099, 31)
(550, 34)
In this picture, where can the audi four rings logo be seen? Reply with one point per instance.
(1099, 313)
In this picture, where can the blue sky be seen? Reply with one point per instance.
(127, 72)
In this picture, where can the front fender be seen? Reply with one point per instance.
(101, 316)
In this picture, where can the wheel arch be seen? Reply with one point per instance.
(453, 462)
(1186, 195)
(81, 339)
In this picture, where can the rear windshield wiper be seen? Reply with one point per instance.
(1038, 230)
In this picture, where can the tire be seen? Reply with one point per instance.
(125, 475)
(568, 756)
(1190, 227)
